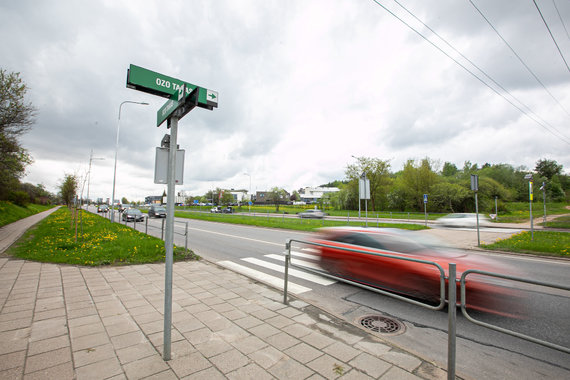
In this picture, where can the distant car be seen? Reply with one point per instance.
(414, 279)
(463, 220)
(216, 209)
(313, 214)
(102, 208)
(156, 211)
(228, 210)
(132, 214)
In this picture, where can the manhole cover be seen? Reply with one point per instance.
(382, 325)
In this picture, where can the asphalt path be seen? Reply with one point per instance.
(481, 352)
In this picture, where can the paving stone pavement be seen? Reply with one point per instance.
(69, 322)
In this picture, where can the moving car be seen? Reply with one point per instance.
(313, 213)
(102, 208)
(132, 214)
(156, 211)
(463, 220)
(216, 209)
(228, 210)
(413, 279)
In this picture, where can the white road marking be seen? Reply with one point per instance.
(295, 261)
(238, 237)
(266, 278)
(293, 272)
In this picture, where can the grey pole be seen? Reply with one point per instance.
(451, 323)
(477, 217)
(169, 238)
(496, 210)
(544, 203)
(116, 153)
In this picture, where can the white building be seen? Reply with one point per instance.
(314, 194)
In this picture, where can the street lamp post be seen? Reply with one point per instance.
(91, 158)
(249, 202)
(116, 153)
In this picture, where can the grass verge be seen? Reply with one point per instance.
(10, 212)
(287, 223)
(560, 222)
(548, 243)
(101, 243)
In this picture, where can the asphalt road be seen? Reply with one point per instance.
(481, 352)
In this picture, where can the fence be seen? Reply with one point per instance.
(452, 296)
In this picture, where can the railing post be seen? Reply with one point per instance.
(186, 239)
(146, 225)
(451, 327)
(162, 229)
(287, 261)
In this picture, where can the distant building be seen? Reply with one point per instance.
(314, 194)
(264, 197)
(153, 199)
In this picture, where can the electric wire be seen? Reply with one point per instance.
(476, 66)
(559, 136)
(519, 58)
(561, 20)
(551, 35)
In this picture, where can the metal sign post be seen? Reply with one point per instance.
(169, 238)
(475, 187)
(425, 208)
(184, 97)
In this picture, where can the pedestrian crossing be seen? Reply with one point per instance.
(269, 262)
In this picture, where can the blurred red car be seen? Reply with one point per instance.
(413, 279)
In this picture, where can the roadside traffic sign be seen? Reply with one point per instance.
(151, 82)
(177, 101)
(425, 198)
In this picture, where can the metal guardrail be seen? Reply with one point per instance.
(452, 296)
(501, 329)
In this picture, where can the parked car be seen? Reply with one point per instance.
(102, 208)
(414, 279)
(156, 211)
(312, 213)
(463, 220)
(216, 210)
(132, 214)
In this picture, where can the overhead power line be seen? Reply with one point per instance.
(519, 58)
(477, 67)
(551, 35)
(558, 135)
(561, 20)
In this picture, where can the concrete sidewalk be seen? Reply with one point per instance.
(68, 322)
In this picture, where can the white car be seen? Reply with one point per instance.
(463, 220)
(314, 214)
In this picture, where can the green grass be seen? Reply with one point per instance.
(10, 212)
(560, 222)
(545, 242)
(102, 243)
(287, 223)
(294, 209)
(520, 211)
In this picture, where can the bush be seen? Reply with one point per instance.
(20, 198)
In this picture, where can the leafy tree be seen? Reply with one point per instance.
(68, 189)
(449, 170)
(377, 171)
(450, 197)
(415, 180)
(276, 196)
(548, 168)
(16, 118)
(124, 200)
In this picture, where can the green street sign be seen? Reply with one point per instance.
(151, 82)
(177, 101)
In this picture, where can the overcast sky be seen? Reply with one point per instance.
(303, 86)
